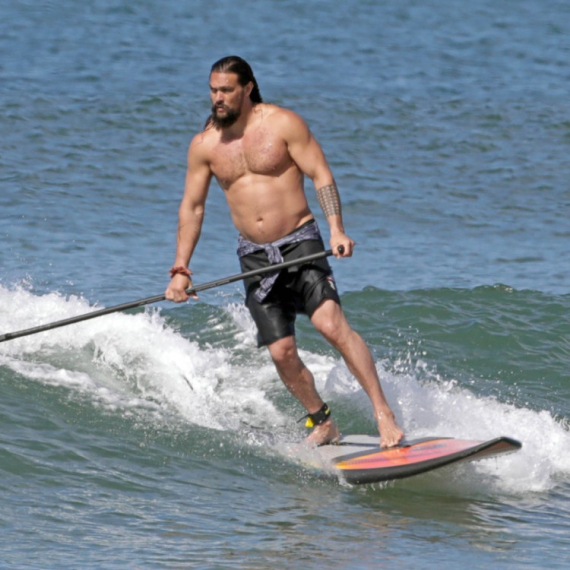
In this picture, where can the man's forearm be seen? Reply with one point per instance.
(189, 229)
(329, 200)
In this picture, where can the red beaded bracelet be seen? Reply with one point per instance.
(180, 270)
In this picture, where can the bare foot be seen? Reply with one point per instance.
(390, 433)
(327, 432)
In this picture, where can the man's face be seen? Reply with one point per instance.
(227, 98)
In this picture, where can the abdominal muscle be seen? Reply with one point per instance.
(266, 208)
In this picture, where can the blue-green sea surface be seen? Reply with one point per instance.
(155, 438)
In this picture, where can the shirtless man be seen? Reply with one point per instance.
(259, 154)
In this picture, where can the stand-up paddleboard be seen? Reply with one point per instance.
(360, 459)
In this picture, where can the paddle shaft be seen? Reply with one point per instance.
(158, 298)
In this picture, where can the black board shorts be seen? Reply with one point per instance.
(298, 289)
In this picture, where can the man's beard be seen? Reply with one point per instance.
(231, 116)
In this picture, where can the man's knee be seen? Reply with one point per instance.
(284, 351)
(330, 321)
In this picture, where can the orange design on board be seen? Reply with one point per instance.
(406, 455)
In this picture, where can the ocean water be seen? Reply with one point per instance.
(153, 438)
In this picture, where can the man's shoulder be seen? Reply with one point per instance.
(204, 139)
(277, 112)
(200, 149)
(282, 118)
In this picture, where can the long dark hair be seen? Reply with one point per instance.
(237, 65)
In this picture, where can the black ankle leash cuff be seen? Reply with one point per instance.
(317, 418)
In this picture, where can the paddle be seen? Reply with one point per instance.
(157, 298)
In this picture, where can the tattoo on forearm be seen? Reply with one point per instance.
(329, 199)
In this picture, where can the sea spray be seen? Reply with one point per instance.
(140, 361)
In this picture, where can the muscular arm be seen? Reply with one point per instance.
(309, 157)
(190, 216)
(329, 200)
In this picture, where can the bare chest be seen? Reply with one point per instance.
(254, 153)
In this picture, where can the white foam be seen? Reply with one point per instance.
(122, 358)
(432, 406)
(127, 362)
